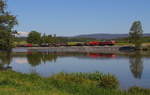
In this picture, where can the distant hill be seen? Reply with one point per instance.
(107, 36)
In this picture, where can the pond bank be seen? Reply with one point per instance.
(82, 49)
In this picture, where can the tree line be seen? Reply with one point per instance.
(35, 37)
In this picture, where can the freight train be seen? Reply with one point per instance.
(91, 43)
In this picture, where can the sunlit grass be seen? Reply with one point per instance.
(12, 83)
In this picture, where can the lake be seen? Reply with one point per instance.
(131, 69)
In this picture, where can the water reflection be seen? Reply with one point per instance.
(101, 55)
(37, 58)
(128, 68)
(5, 60)
(136, 65)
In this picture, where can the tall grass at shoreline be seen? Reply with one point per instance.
(12, 83)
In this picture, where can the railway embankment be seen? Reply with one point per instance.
(82, 49)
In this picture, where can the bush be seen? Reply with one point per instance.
(98, 79)
(108, 81)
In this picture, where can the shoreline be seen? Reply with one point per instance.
(81, 49)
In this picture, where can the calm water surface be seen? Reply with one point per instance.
(130, 69)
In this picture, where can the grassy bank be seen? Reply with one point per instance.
(12, 83)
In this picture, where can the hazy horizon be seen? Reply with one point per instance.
(79, 17)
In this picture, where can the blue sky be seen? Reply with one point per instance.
(74, 17)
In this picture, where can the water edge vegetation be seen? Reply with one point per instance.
(13, 83)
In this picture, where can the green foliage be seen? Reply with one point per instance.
(6, 40)
(97, 79)
(49, 39)
(108, 81)
(34, 37)
(142, 91)
(13, 83)
(136, 33)
(7, 22)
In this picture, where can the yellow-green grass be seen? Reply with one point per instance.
(20, 43)
(123, 44)
(74, 43)
(130, 44)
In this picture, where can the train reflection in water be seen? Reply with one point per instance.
(101, 55)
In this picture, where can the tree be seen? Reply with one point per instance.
(135, 34)
(34, 37)
(7, 22)
(49, 39)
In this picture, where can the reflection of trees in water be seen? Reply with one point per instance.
(49, 57)
(136, 65)
(5, 60)
(37, 58)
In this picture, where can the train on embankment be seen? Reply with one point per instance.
(101, 43)
(92, 46)
(91, 43)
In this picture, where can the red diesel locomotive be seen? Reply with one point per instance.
(101, 43)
